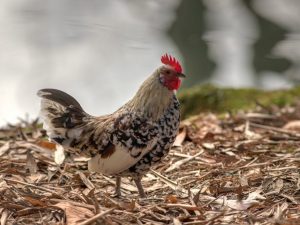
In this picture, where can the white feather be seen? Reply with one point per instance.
(119, 161)
(59, 155)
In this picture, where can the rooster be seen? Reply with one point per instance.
(130, 140)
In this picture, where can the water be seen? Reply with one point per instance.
(100, 51)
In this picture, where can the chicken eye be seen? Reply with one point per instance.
(168, 72)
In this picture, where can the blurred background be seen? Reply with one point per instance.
(100, 51)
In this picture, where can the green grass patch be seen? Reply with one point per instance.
(207, 97)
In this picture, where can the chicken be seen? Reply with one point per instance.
(127, 142)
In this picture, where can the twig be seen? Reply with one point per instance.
(261, 164)
(291, 198)
(114, 202)
(260, 116)
(98, 216)
(86, 181)
(197, 178)
(188, 207)
(34, 186)
(248, 164)
(169, 182)
(276, 129)
(181, 162)
(187, 156)
(197, 212)
(283, 168)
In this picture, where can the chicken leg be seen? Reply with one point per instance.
(139, 186)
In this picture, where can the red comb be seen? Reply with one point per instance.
(171, 61)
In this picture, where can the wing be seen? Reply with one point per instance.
(130, 138)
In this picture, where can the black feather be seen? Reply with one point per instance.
(60, 97)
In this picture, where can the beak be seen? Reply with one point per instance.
(181, 75)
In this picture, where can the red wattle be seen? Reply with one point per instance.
(173, 84)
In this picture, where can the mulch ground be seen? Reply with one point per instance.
(233, 169)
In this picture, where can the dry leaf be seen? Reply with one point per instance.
(46, 144)
(278, 185)
(128, 206)
(4, 148)
(180, 137)
(292, 125)
(280, 211)
(241, 205)
(3, 185)
(244, 181)
(171, 199)
(34, 201)
(255, 195)
(31, 163)
(74, 214)
(209, 146)
(176, 221)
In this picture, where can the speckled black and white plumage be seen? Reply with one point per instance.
(125, 143)
(167, 128)
(147, 141)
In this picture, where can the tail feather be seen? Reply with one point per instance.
(59, 97)
(62, 115)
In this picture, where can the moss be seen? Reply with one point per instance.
(219, 100)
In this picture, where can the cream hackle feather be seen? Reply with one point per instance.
(152, 98)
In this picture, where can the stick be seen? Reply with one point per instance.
(188, 207)
(98, 216)
(33, 186)
(280, 130)
(173, 185)
(183, 161)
